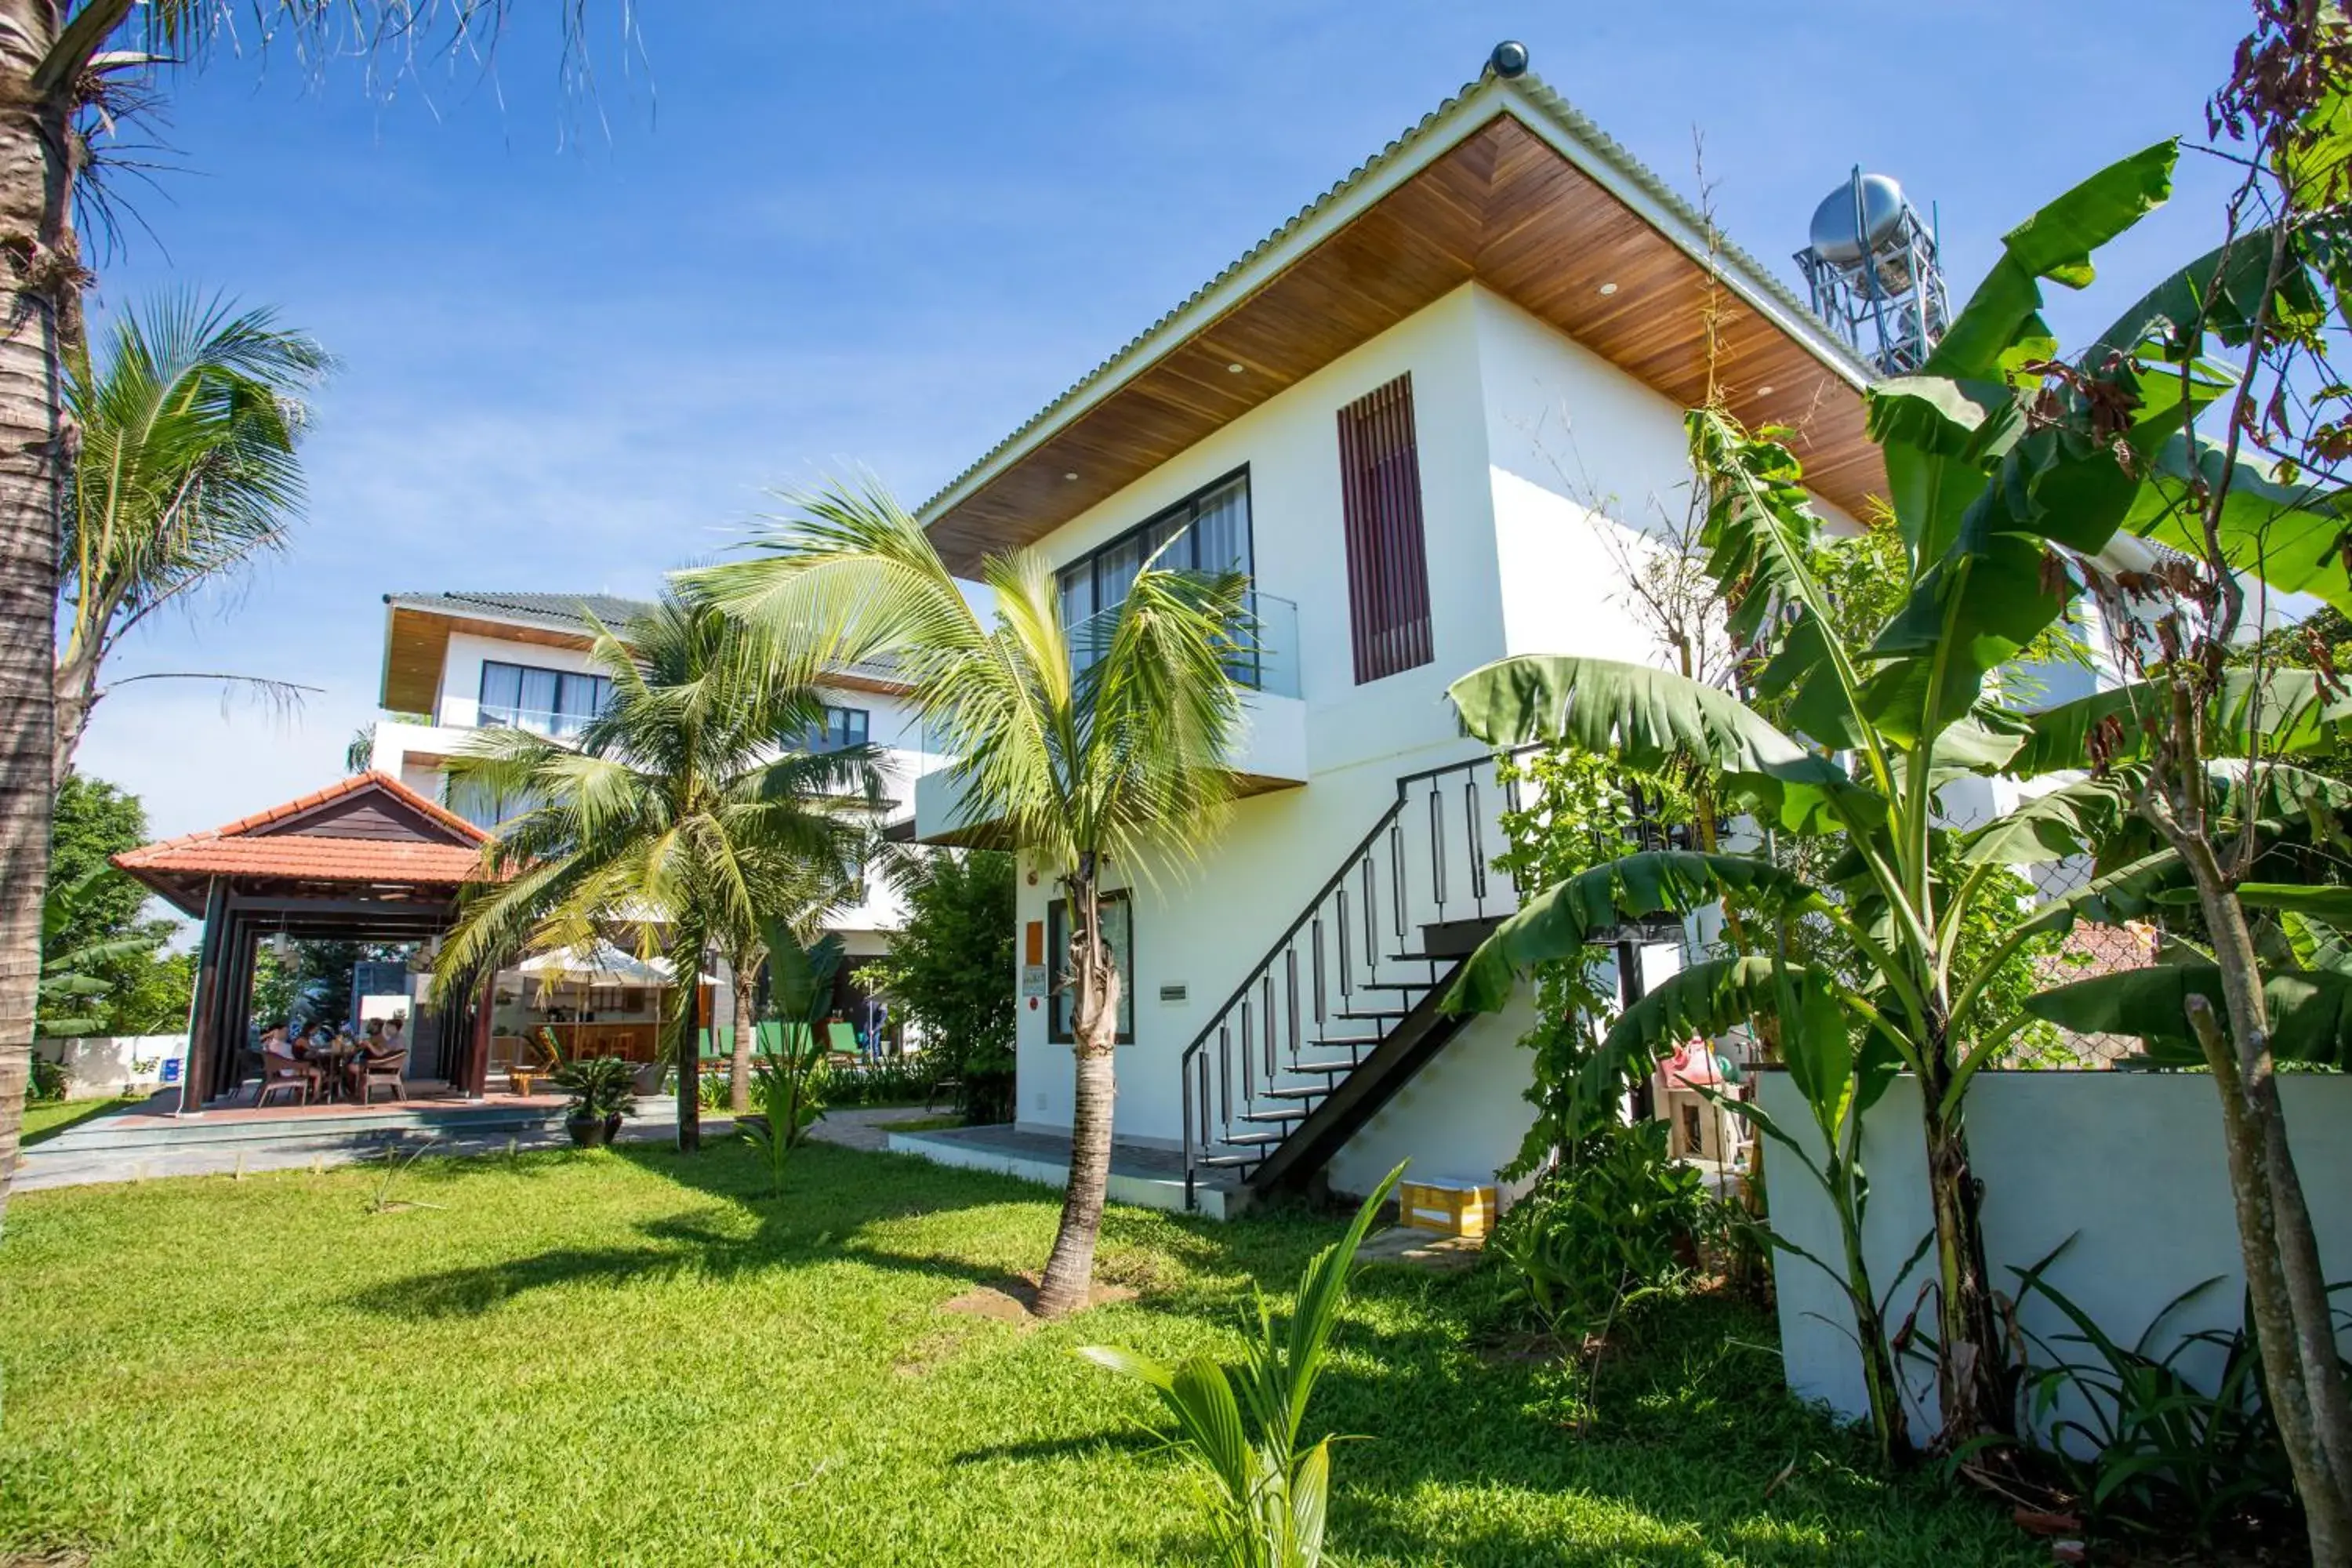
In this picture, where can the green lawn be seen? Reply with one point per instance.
(624, 1357)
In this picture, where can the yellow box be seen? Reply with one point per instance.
(1447, 1207)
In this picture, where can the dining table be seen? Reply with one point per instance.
(332, 1060)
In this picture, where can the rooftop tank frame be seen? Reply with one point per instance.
(1907, 314)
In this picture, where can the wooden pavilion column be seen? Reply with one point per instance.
(204, 1018)
(237, 995)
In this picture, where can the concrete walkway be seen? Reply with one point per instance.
(868, 1127)
(1149, 1177)
(134, 1144)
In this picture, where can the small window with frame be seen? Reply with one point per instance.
(1119, 931)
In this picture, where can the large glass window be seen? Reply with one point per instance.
(1119, 931)
(1206, 531)
(842, 728)
(558, 703)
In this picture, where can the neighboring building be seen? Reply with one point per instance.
(458, 663)
(1429, 416)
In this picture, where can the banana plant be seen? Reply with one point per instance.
(2007, 471)
(1241, 1423)
(70, 983)
(788, 1079)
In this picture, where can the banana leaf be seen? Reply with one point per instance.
(2310, 1010)
(1649, 718)
(2289, 534)
(2281, 713)
(1559, 921)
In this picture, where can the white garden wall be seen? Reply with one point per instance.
(102, 1066)
(2130, 1165)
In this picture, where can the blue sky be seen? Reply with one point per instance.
(802, 238)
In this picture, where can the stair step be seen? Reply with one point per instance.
(1227, 1162)
(1380, 1013)
(1305, 1091)
(1273, 1116)
(1321, 1067)
(1253, 1139)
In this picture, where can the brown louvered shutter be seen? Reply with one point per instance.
(1388, 572)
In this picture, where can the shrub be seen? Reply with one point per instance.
(888, 1080)
(1615, 1225)
(48, 1081)
(599, 1086)
(951, 973)
(2147, 1447)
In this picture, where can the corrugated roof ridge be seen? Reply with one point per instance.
(1571, 119)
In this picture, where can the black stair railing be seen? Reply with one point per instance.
(1352, 964)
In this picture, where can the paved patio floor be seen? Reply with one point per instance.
(139, 1143)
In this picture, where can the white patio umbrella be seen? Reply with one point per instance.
(601, 964)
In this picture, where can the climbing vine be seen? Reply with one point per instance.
(1565, 812)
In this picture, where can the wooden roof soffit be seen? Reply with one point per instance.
(1504, 207)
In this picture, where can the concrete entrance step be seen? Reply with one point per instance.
(139, 1129)
(1146, 1177)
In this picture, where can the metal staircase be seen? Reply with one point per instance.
(1343, 1009)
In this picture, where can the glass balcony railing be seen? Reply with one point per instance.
(538, 720)
(1264, 639)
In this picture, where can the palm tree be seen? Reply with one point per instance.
(69, 71)
(187, 472)
(686, 816)
(1082, 748)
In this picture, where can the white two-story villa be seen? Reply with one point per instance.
(1429, 415)
(457, 662)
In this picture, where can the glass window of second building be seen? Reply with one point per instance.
(1208, 531)
(842, 728)
(544, 701)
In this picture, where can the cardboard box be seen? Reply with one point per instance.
(1447, 1206)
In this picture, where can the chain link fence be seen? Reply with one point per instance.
(2088, 950)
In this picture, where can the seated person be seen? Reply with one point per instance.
(372, 1047)
(282, 1057)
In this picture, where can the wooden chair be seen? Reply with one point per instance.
(369, 1071)
(523, 1075)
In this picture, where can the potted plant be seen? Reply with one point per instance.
(603, 1093)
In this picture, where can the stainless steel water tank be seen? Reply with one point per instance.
(1838, 237)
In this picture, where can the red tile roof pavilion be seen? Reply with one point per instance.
(367, 858)
(369, 831)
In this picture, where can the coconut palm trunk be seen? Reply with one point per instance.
(686, 1041)
(738, 1071)
(1094, 1028)
(36, 184)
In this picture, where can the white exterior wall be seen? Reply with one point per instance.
(1584, 462)
(1510, 570)
(2129, 1165)
(1205, 926)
